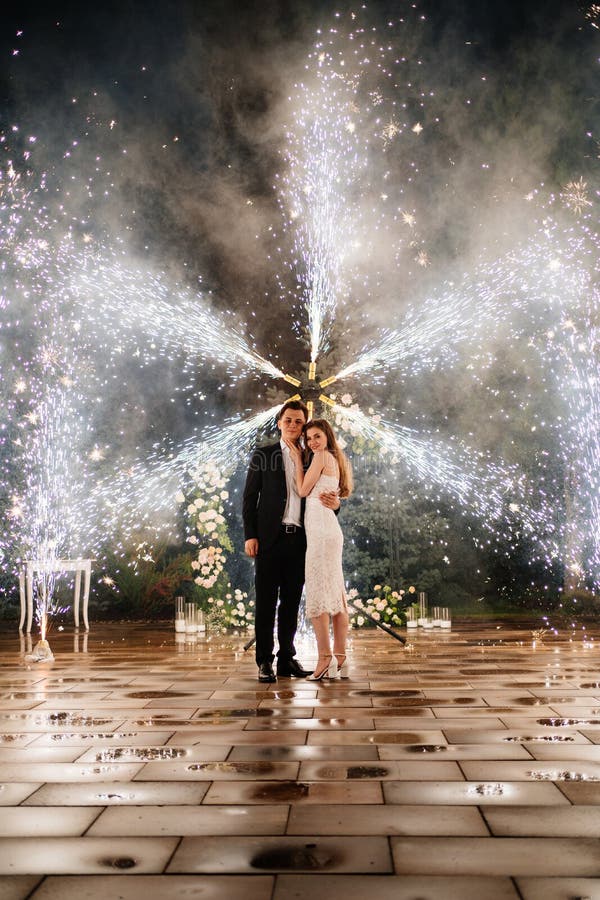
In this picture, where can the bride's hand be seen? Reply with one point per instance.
(295, 451)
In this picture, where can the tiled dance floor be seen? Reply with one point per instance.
(466, 765)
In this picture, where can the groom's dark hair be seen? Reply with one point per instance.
(293, 404)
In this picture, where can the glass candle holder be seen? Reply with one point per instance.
(436, 615)
(191, 620)
(422, 607)
(427, 623)
(411, 618)
(446, 621)
(201, 622)
(179, 614)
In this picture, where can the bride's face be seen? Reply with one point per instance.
(316, 439)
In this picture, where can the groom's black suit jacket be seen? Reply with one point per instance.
(265, 496)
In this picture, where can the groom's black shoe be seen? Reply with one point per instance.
(292, 669)
(266, 673)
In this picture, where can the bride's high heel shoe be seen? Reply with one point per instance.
(342, 665)
(326, 667)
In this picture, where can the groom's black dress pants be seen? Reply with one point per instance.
(279, 575)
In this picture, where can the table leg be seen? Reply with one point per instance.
(22, 597)
(77, 594)
(29, 596)
(86, 595)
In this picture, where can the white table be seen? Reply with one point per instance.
(59, 566)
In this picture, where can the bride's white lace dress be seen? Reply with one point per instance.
(324, 580)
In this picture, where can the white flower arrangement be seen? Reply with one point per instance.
(232, 611)
(206, 530)
(346, 422)
(386, 605)
(206, 524)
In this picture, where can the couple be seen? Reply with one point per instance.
(293, 540)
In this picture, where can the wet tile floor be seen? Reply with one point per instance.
(466, 765)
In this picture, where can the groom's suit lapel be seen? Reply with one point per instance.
(277, 460)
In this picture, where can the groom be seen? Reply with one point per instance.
(273, 526)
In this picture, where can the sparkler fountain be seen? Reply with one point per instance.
(44, 518)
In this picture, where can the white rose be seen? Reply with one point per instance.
(192, 539)
(179, 497)
(224, 495)
(191, 509)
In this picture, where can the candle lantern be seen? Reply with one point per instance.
(179, 614)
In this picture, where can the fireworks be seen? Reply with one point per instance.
(44, 521)
(142, 494)
(531, 282)
(592, 15)
(490, 490)
(572, 352)
(575, 196)
(345, 116)
(139, 309)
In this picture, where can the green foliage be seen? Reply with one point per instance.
(141, 582)
(579, 603)
(393, 536)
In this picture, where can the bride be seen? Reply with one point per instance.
(329, 471)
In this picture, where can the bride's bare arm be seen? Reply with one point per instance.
(305, 481)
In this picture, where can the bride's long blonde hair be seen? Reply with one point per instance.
(346, 481)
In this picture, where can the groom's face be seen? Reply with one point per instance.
(291, 424)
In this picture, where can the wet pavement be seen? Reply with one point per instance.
(464, 765)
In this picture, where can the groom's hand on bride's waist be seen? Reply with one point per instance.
(330, 499)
